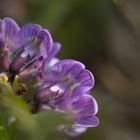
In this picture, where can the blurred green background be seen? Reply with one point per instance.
(105, 36)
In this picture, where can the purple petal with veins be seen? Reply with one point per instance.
(37, 44)
(9, 29)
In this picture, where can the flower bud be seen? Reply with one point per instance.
(4, 62)
(18, 63)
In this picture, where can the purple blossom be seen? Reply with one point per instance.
(65, 88)
(63, 85)
(20, 48)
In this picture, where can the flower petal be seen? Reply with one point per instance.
(51, 60)
(35, 39)
(4, 62)
(36, 43)
(86, 79)
(84, 105)
(89, 121)
(10, 29)
(75, 74)
(82, 109)
(67, 66)
(55, 49)
(73, 130)
(29, 32)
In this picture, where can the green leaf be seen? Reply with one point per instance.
(12, 126)
(3, 134)
(49, 122)
(17, 108)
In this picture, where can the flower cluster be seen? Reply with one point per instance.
(62, 85)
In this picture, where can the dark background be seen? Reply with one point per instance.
(105, 36)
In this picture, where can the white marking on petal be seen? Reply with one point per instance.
(55, 88)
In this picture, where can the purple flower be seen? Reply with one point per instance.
(21, 48)
(66, 89)
(63, 85)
